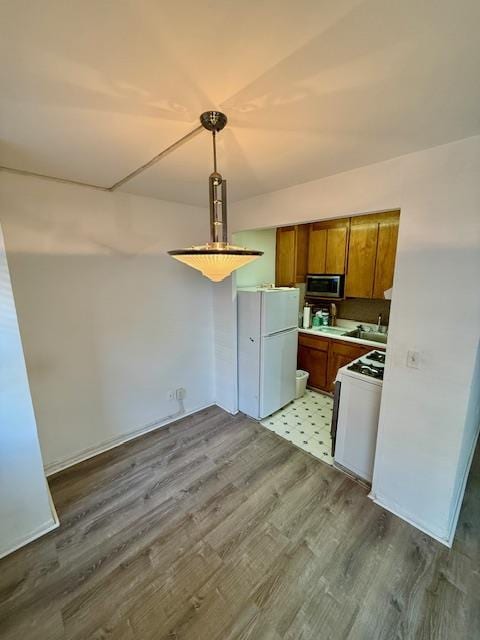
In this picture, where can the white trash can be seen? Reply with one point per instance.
(302, 379)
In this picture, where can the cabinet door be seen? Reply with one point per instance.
(285, 257)
(301, 252)
(328, 246)
(340, 354)
(386, 253)
(315, 362)
(317, 250)
(362, 249)
(312, 357)
(336, 249)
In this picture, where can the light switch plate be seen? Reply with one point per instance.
(413, 359)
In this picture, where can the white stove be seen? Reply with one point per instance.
(369, 367)
(358, 390)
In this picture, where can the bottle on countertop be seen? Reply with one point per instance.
(333, 314)
(307, 316)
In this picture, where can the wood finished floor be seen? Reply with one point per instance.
(216, 528)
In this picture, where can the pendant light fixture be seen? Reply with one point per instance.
(216, 259)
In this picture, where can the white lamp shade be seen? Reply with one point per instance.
(215, 266)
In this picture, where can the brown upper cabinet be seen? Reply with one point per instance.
(363, 247)
(328, 246)
(291, 255)
(386, 254)
(371, 255)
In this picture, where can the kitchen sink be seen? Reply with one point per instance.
(373, 336)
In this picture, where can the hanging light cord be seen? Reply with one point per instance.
(214, 152)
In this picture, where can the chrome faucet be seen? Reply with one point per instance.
(379, 322)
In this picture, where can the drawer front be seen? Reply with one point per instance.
(313, 342)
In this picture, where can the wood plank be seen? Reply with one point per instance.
(219, 529)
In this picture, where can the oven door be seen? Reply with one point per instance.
(324, 286)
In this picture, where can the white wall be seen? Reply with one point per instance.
(262, 270)
(422, 454)
(470, 435)
(25, 508)
(225, 344)
(109, 322)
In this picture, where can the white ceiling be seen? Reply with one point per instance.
(90, 90)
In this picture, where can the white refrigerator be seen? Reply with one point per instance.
(267, 349)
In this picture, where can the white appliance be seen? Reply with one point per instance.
(355, 415)
(267, 349)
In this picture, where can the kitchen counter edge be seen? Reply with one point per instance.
(367, 343)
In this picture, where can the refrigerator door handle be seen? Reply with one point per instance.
(277, 333)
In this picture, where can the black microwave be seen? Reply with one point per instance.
(320, 285)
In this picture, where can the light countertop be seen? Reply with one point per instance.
(348, 325)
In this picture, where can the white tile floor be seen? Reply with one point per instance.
(306, 423)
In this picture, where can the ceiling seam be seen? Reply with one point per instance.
(119, 183)
(158, 157)
(43, 176)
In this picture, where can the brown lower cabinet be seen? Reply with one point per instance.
(313, 357)
(323, 357)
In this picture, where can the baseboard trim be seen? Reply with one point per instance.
(33, 535)
(449, 536)
(227, 409)
(60, 465)
(461, 491)
(380, 500)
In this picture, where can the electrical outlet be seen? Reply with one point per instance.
(171, 395)
(413, 359)
(180, 393)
